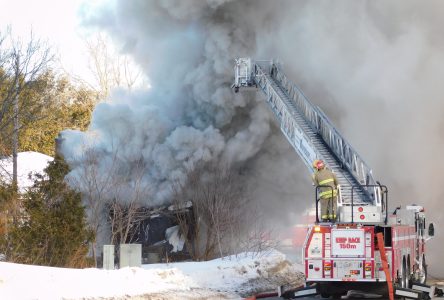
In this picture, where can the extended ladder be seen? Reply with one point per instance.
(313, 136)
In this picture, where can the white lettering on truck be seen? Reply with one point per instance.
(348, 242)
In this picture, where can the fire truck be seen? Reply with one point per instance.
(367, 246)
(346, 255)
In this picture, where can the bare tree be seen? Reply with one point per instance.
(95, 184)
(110, 68)
(22, 63)
(257, 235)
(219, 220)
(112, 193)
(126, 211)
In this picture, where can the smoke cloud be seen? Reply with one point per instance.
(375, 67)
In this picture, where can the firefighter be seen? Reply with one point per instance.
(328, 184)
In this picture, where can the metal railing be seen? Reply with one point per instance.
(300, 141)
(380, 189)
(319, 122)
(267, 75)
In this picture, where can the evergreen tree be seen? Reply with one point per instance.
(67, 107)
(53, 229)
(48, 105)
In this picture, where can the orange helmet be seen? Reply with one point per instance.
(318, 164)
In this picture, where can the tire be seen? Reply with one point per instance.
(325, 295)
(331, 290)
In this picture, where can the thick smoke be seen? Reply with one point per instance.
(190, 114)
(374, 66)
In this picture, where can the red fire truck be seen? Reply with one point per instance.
(342, 254)
(345, 256)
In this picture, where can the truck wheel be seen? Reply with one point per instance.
(325, 295)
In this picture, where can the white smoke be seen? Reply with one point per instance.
(373, 66)
(189, 113)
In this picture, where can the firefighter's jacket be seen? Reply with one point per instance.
(325, 178)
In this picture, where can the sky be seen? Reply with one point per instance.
(232, 277)
(56, 22)
(28, 163)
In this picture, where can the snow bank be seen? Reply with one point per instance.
(242, 274)
(28, 163)
(227, 278)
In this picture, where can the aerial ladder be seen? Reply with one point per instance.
(361, 198)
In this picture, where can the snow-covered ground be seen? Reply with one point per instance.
(28, 163)
(232, 277)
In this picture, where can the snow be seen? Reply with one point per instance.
(231, 277)
(28, 163)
